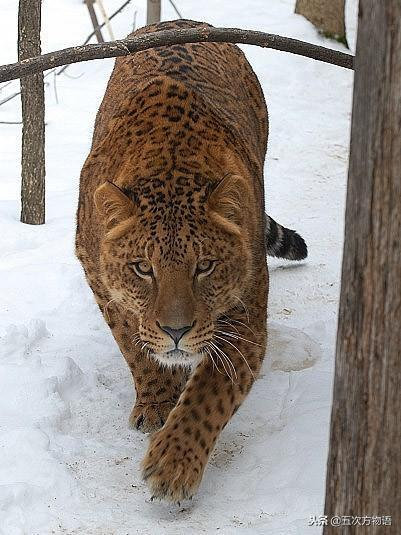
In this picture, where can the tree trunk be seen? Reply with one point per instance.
(33, 117)
(364, 465)
(153, 11)
(327, 15)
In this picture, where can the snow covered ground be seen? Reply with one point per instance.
(68, 462)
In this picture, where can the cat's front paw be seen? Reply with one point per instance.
(173, 465)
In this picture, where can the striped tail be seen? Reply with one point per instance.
(283, 242)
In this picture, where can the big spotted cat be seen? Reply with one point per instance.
(173, 238)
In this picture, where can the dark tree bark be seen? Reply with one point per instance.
(153, 11)
(33, 117)
(364, 466)
(124, 47)
(327, 15)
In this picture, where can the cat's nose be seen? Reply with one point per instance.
(175, 334)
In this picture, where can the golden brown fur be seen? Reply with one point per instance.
(171, 236)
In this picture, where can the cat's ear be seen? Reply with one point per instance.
(113, 205)
(228, 201)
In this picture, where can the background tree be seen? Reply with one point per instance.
(327, 15)
(153, 11)
(364, 466)
(33, 117)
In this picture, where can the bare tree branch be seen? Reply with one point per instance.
(95, 23)
(99, 27)
(10, 97)
(107, 19)
(124, 47)
(175, 8)
(116, 12)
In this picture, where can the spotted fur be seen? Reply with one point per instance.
(171, 235)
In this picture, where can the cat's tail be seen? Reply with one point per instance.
(283, 242)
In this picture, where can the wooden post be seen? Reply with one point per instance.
(33, 117)
(95, 23)
(364, 465)
(327, 15)
(153, 11)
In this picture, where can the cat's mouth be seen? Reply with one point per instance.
(177, 353)
(178, 357)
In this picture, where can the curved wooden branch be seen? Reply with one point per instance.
(125, 47)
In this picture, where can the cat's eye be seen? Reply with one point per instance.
(142, 268)
(205, 267)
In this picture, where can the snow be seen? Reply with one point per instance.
(68, 462)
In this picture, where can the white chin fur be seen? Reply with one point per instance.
(178, 358)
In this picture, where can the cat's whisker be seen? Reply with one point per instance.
(212, 359)
(237, 337)
(228, 373)
(240, 323)
(236, 348)
(206, 353)
(227, 323)
(135, 336)
(227, 359)
(244, 305)
(219, 359)
(211, 349)
(144, 346)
